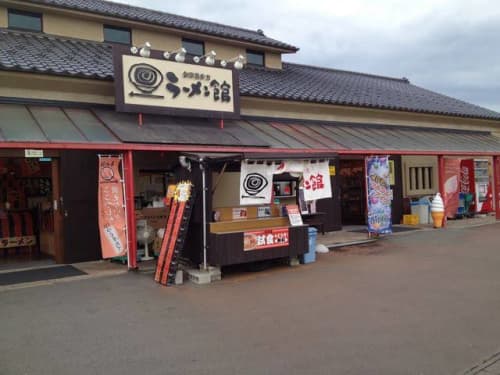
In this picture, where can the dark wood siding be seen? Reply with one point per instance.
(397, 189)
(331, 207)
(79, 171)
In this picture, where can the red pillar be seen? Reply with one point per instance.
(496, 184)
(128, 164)
(441, 180)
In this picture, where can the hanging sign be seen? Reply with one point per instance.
(112, 222)
(317, 181)
(265, 239)
(379, 194)
(256, 183)
(158, 86)
(33, 153)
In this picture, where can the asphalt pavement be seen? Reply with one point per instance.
(426, 302)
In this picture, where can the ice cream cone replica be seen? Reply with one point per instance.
(437, 211)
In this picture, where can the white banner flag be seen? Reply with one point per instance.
(317, 181)
(256, 183)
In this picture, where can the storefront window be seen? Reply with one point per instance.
(113, 34)
(25, 20)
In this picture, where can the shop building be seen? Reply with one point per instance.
(61, 106)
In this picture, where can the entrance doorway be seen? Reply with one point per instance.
(27, 227)
(352, 190)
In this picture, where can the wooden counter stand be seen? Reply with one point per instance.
(226, 248)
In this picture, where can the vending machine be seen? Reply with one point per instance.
(484, 195)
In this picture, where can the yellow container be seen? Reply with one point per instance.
(410, 219)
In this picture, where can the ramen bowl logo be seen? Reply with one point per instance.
(146, 78)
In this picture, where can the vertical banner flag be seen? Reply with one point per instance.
(112, 222)
(256, 183)
(451, 186)
(379, 194)
(317, 181)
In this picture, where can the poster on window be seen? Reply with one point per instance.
(111, 206)
(379, 194)
(317, 181)
(256, 183)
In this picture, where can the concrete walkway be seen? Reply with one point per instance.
(423, 303)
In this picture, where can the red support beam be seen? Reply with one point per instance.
(128, 164)
(496, 184)
(441, 181)
(225, 149)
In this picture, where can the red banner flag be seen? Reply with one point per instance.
(112, 219)
(451, 186)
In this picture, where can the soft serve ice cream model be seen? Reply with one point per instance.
(437, 211)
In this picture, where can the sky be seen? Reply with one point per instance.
(447, 46)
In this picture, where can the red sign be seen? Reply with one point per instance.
(265, 239)
(112, 223)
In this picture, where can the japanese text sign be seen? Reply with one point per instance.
(159, 86)
(111, 205)
(317, 184)
(265, 239)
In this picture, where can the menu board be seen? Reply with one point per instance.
(265, 239)
(294, 215)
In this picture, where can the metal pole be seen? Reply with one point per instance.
(129, 190)
(204, 186)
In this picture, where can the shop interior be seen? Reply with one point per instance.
(26, 214)
(353, 194)
(153, 173)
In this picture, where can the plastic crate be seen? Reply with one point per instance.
(410, 219)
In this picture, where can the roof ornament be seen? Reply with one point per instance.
(238, 62)
(209, 58)
(143, 51)
(180, 55)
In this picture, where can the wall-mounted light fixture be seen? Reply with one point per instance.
(209, 58)
(238, 62)
(143, 51)
(180, 55)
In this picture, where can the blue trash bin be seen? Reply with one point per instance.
(310, 256)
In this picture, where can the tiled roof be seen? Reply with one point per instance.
(331, 86)
(22, 51)
(156, 17)
(45, 54)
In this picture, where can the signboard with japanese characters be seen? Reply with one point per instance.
(265, 239)
(158, 86)
(317, 184)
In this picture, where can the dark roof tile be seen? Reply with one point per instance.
(130, 12)
(31, 52)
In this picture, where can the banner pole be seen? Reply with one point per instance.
(129, 206)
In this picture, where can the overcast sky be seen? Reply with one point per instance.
(448, 46)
